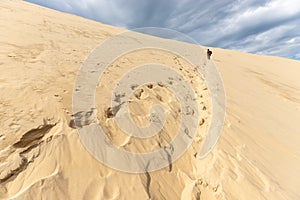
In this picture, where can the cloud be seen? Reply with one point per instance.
(258, 26)
(297, 56)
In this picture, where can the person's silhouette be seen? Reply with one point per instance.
(209, 52)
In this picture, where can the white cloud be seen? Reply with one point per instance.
(257, 26)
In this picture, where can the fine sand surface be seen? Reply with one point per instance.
(42, 157)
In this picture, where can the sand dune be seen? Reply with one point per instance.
(42, 157)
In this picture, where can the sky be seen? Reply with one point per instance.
(270, 27)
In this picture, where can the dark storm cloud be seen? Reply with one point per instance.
(257, 26)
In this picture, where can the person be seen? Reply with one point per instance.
(209, 52)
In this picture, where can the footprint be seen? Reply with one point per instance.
(138, 93)
(82, 118)
(150, 86)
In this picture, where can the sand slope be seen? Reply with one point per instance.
(41, 156)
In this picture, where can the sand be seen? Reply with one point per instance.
(41, 156)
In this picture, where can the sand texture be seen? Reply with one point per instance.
(42, 157)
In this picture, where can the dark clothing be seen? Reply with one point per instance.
(209, 52)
